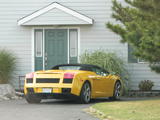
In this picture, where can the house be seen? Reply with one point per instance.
(43, 33)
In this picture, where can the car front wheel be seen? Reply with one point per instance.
(85, 95)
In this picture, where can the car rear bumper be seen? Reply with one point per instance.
(62, 93)
(50, 90)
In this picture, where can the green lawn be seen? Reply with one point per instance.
(130, 110)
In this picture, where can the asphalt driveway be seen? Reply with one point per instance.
(47, 110)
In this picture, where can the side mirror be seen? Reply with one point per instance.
(105, 74)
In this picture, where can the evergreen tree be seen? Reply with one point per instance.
(139, 27)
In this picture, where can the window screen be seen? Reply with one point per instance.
(73, 37)
(38, 42)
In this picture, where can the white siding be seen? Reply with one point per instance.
(19, 39)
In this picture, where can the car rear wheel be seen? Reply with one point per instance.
(117, 91)
(85, 95)
(32, 98)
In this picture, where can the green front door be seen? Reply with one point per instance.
(56, 47)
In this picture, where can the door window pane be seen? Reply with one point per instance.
(73, 37)
(38, 42)
(100, 71)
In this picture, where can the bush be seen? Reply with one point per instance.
(146, 85)
(7, 66)
(109, 61)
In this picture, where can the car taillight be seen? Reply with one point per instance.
(68, 78)
(30, 75)
(68, 75)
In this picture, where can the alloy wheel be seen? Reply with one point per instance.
(87, 92)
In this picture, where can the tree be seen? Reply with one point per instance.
(139, 27)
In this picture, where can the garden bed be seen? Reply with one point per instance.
(137, 93)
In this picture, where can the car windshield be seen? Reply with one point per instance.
(69, 67)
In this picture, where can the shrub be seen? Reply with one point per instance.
(109, 61)
(146, 85)
(7, 66)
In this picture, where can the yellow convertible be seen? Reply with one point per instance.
(83, 81)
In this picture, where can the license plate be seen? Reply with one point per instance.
(47, 90)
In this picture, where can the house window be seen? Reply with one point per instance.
(131, 57)
(38, 42)
(141, 61)
(73, 42)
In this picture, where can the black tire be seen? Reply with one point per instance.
(117, 91)
(85, 95)
(32, 98)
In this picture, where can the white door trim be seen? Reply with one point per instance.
(43, 28)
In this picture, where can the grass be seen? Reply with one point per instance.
(130, 110)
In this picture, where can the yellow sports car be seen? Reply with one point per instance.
(64, 81)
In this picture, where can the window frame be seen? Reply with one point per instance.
(41, 49)
(138, 60)
(76, 49)
(141, 61)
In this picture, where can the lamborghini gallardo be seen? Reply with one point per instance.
(83, 81)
